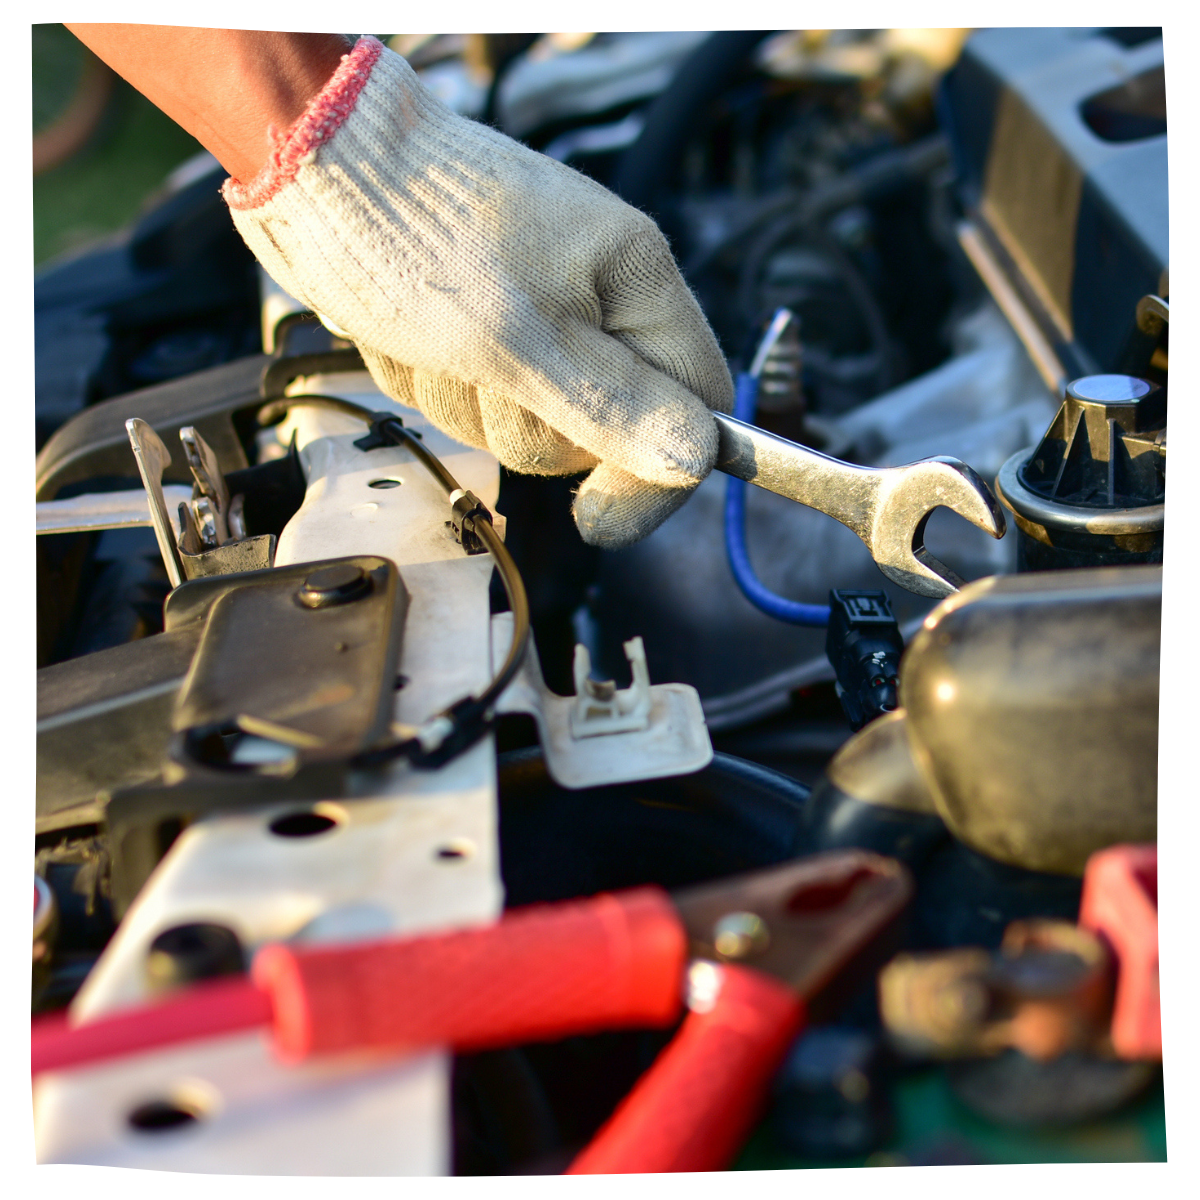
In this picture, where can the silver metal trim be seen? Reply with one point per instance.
(1023, 503)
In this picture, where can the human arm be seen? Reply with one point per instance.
(519, 304)
(226, 87)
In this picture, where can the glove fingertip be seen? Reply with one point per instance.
(613, 509)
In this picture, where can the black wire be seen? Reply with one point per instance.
(514, 587)
(510, 577)
(889, 170)
(471, 715)
(274, 411)
(402, 436)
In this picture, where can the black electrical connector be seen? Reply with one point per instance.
(466, 511)
(864, 645)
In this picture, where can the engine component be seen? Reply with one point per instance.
(103, 722)
(1032, 713)
(1035, 750)
(1091, 492)
(410, 850)
(95, 443)
(1065, 175)
(1042, 1010)
(74, 870)
(602, 734)
(864, 644)
(238, 735)
(779, 362)
(152, 459)
(872, 795)
(779, 347)
(1046, 991)
(544, 91)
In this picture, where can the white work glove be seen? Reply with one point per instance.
(521, 306)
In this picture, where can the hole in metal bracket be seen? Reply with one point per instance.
(456, 851)
(303, 823)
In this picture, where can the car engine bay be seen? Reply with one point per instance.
(314, 677)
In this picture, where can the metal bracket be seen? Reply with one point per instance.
(234, 557)
(329, 635)
(104, 510)
(600, 708)
(623, 743)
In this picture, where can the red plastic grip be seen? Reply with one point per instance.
(695, 1107)
(541, 972)
(1120, 900)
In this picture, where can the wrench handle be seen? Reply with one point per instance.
(839, 489)
(694, 1108)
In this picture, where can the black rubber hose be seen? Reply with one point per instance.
(647, 165)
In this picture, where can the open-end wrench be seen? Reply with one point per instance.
(887, 507)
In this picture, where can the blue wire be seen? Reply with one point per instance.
(792, 611)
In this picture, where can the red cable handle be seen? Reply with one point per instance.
(542, 972)
(1120, 901)
(695, 1107)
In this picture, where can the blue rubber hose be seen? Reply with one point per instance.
(779, 607)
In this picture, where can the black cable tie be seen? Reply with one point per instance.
(376, 438)
(465, 510)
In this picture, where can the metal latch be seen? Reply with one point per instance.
(600, 707)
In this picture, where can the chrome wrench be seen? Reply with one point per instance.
(887, 507)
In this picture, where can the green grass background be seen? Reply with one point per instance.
(107, 183)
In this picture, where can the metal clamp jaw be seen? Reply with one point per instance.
(211, 539)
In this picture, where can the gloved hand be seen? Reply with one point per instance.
(521, 306)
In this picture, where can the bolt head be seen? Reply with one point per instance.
(337, 584)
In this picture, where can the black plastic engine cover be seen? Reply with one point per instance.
(1060, 141)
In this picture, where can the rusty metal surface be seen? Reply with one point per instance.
(825, 921)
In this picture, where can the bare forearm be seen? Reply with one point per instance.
(224, 86)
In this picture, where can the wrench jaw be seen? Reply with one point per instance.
(927, 576)
(898, 530)
(967, 494)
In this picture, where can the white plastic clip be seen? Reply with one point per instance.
(599, 708)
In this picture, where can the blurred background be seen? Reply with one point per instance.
(100, 149)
